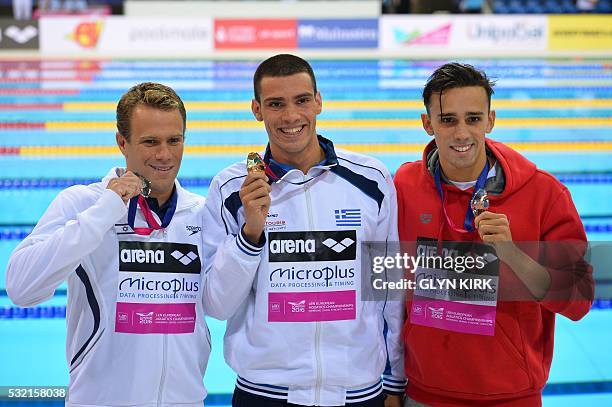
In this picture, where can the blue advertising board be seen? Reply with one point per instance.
(335, 33)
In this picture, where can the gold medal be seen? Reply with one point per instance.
(255, 163)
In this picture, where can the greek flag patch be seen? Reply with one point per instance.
(348, 217)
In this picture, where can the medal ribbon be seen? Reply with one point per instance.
(147, 213)
(468, 223)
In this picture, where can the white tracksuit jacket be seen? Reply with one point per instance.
(136, 334)
(302, 332)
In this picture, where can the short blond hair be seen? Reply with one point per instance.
(149, 94)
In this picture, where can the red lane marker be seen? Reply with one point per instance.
(38, 79)
(22, 65)
(36, 91)
(9, 150)
(21, 125)
(50, 64)
(31, 106)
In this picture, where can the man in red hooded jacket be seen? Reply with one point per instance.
(506, 363)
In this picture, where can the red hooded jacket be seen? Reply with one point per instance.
(447, 368)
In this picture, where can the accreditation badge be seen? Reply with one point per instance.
(312, 276)
(158, 288)
(456, 286)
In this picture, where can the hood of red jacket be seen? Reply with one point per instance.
(522, 169)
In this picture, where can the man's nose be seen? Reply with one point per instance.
(290, 114)
(163, 152)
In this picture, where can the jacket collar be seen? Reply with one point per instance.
(280, 171)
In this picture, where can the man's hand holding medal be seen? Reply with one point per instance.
(129, 185)
(492, 227)
(255, 197)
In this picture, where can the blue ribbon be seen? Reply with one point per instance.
(167, 217)
(480, 183)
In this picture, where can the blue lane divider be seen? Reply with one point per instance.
(602, 304)
(595, 178)
(7, 183)
(219, 399)
(59, 311)
(41, 312)
(102, 95)
(598, 228)
(65, 183)
(15, 114)
(558, 389)
(15, 233)
(60, 292)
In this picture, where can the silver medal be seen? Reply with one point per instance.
(479, 202)
(145, 188)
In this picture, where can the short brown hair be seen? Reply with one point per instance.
(282, 65)
(148, 94)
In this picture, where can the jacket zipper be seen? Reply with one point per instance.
(163, 373)
(319, 373)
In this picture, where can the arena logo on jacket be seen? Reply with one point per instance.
(158, 287)
(312, 276)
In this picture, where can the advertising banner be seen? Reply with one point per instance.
(360, 33)
(18, 34)
(464, 34)
(580, 33)
(255, 34)
(118, 35)
(401, 32)
(502, 33)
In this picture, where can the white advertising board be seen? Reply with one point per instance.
(466, 35)
(127, 37)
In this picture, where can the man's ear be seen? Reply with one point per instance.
(121, 142)
(319, 101)
(491, 122)
(256, 109)
(427, 124)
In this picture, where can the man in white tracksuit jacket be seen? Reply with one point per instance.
(301, 334)
(136, 334)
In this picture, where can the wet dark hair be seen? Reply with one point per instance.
(456, 75)
(282, 65)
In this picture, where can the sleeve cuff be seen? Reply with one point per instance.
(394, 386)
(108, 210)
(247, 247)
